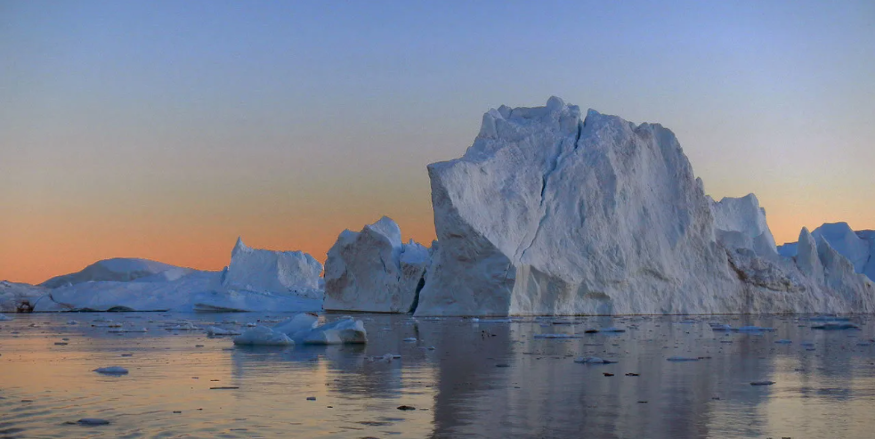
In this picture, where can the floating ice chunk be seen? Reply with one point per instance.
(410, 339)
(184, 326)
(106, 324)
(72, 322)
(5, 318)
(343, 331)
(783, 341)
(681, 359)
(832, 326)
(263, 336)
(298, 325)
(214, 331)
(592, 360)
(112, 370)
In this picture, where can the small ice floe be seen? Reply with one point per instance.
(410, 339)
(214, 331)
(101, 323)
(835, 326)
(91, 422)
(184, 326)
(72, 322)
(251, 325)
(807, 344)
(5, 318)
(682, 359)
(111, 370)
(492, 321)
(263, 336)
(783, 341)
(863, 343)
(593, 360)
(762, 383)
(556, 336)
(387, 357)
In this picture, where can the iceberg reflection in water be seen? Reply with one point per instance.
(464, 378)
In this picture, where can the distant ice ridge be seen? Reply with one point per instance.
(373, 271)
(858, 247)
(255, 280)
(547, 214)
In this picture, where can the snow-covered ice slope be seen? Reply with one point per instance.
(373, 271)
(116, 269)
(548, 214)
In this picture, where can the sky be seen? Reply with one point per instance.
(165, 130)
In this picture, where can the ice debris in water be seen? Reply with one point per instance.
(112, 370)
(214, 331)
(556, 336)
(184, 326)
(783, 341)
(593, 360)
(832, 326)
(681, 359)
(263, 336)
(303, 329)
(5, 318)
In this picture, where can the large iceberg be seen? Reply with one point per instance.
(372, 270)
(858, 247)
(550, 214)
(273, 271)
(255, 280)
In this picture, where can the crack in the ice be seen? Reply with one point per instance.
(556, 161)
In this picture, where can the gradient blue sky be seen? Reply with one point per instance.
(166, 129)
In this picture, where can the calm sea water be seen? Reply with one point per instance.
(465, 379)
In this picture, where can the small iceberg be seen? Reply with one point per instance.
(783, 341)
(112, 370)
(5, 318)
(682, 359)
(344, 331)
(263, 336)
